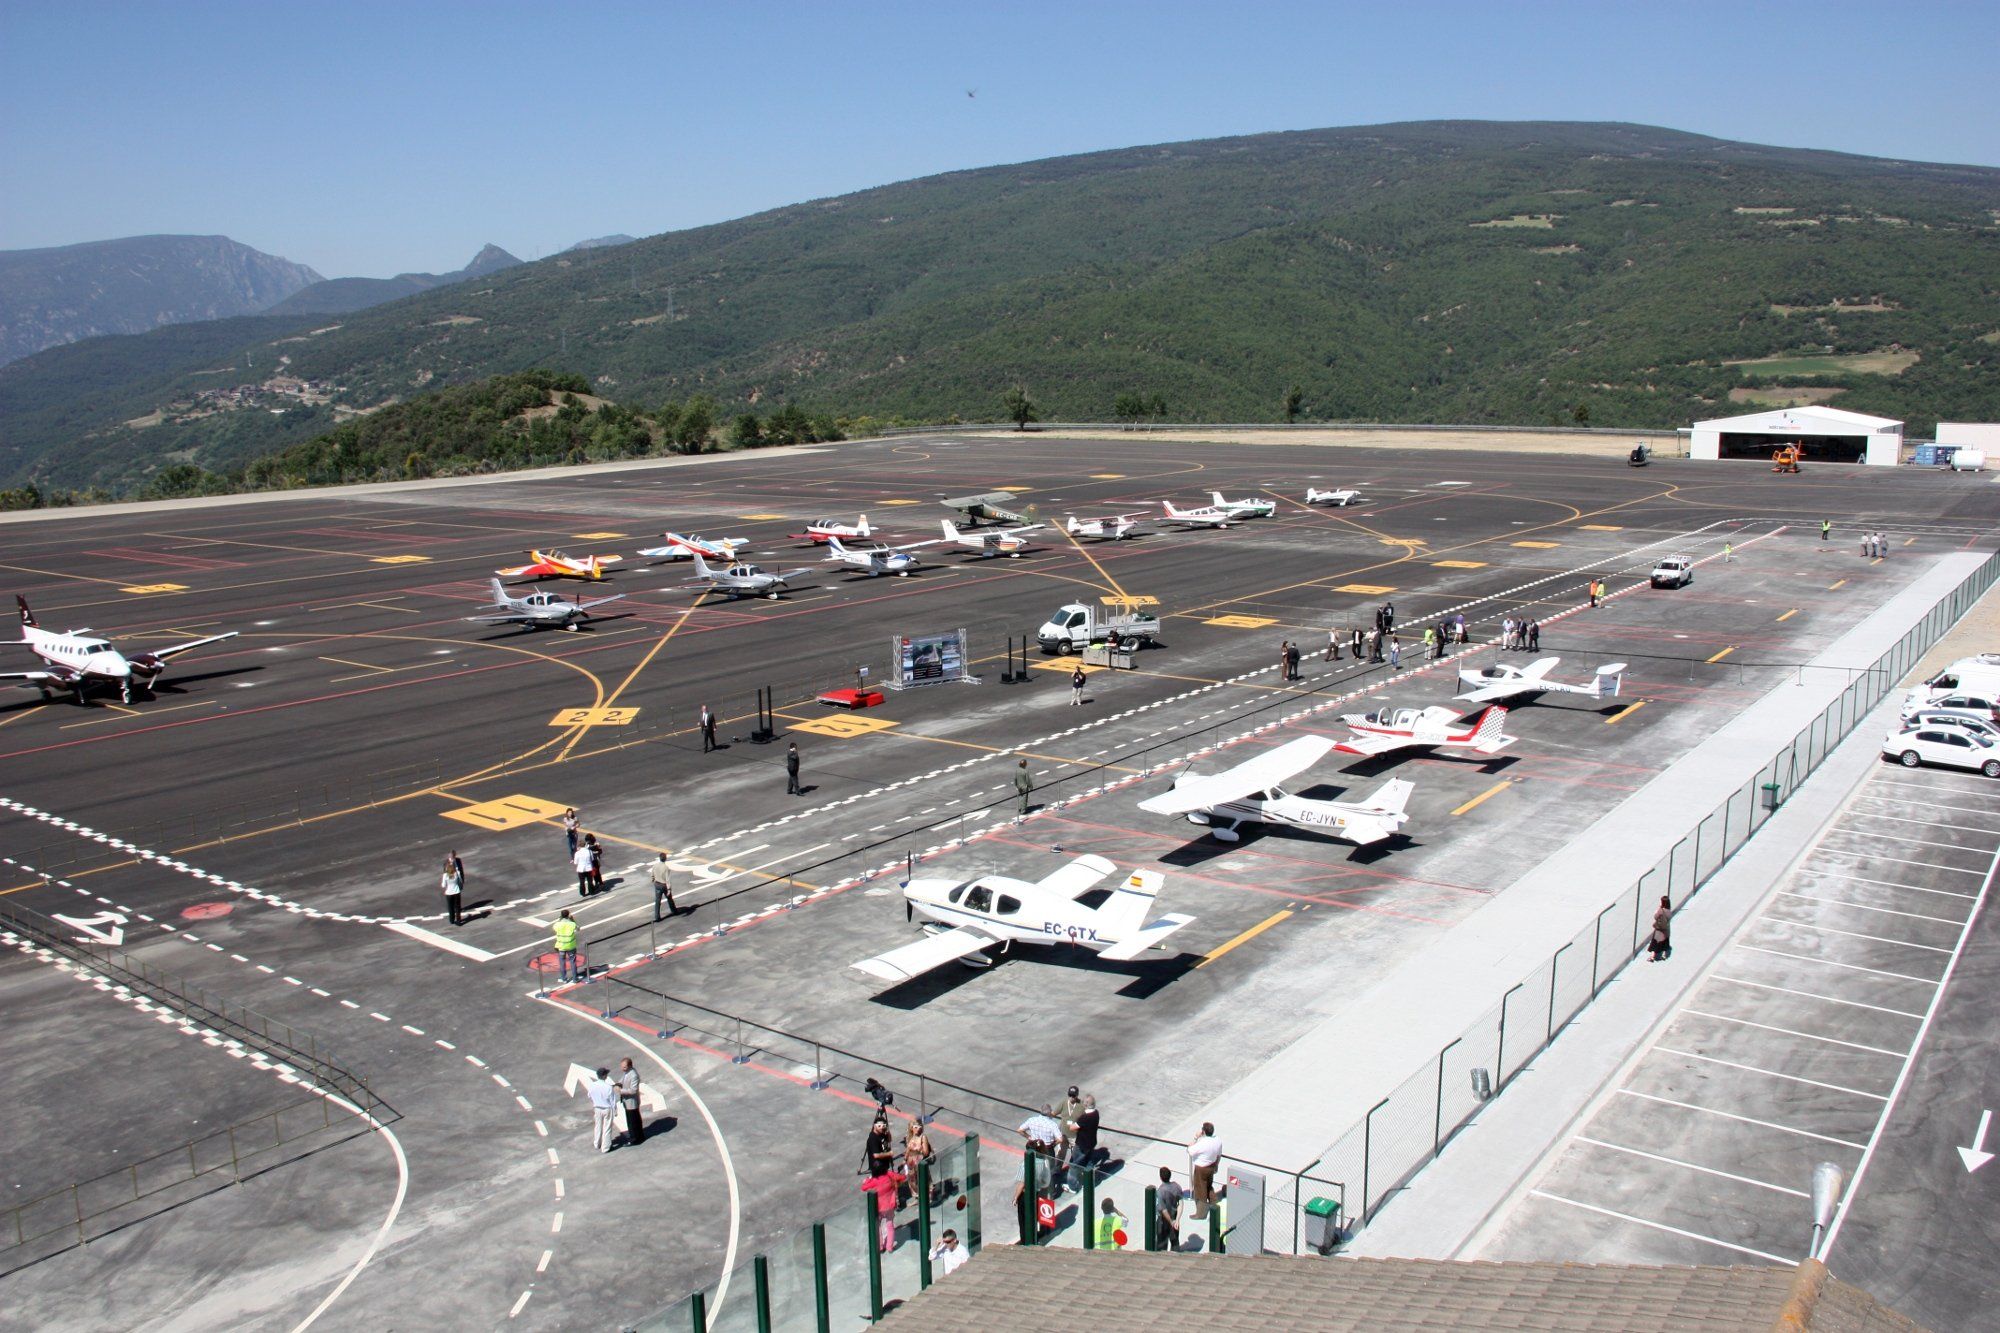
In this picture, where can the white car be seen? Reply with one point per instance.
(1979, 724)
(1947, 746)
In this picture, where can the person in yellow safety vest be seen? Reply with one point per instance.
(1108, 1227)
(565, 940)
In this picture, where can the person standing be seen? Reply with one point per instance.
(603, 1110)
(885, 1188)
(628, 1098)
(1332, 653)
(1024, 785)
(1430, 643)
(569, 829)
(1066, 1175)
(454, 886)
(663, 888)
(596, 862)
(1662, 945)
(1076, 687)
(1203, 1155)
(1109, 1225)
(564, 933)
(1881, 545)
(1285, 660)
(1444, 639)
(1825, 528)
(1867, 545)
(792, 787)
(707, 730)
(1506, 634)
(948, 1257)
(1087, 1151)
(1292, 656)
(917, 1151)
(878, 1153)
(1728, 552)
(1375, 645)
(1167, 1204)
(1534, 636)
(1395, 653)
(1355, 642)
(1596, 592)
(1389, 616)
(580, 861)
(1462, 637)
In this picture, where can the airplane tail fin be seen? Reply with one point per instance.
(1312, 496)
(1392, 797)
(1168, 505)
(1071, 526)
(861, 529)
(27, 616)
(834, 550)
(701, 568)
(950, 529)
(1130, 902)
(1220, 503)
(1492, 725)
(1610, 679)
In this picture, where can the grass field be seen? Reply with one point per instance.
(1787, 395)
(1852, 363)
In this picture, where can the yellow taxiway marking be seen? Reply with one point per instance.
(1458, 564)
(1240, 622)
(1244, 938)
(31, 884)
(17, 716)
(1069, 664)
(1600, 527)
(1876, 561)
(1122, 599)
(1625, 712)
(1107, 476)
(1016, 489)
(843, 725)
(1489, 793)
(758, 518)
(142, 589)
(594, 717)
(1789, 614)
(1839, 584)
(1538, 546)
(399, 560)
(1365, 589)
(604, 703)
(506, 812)
(898, 502)
(120, 712)
(1909, 541)
(1724, 653)
(365, 666)
(596, 536)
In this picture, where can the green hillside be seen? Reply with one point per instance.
(1454, 271)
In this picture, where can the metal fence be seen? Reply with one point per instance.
(1410, 1126)
(75, 1214)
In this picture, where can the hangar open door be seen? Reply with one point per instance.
(1817, 448)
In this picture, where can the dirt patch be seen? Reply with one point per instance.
(650, 319)
(1787, 395)
(1791, 222)
(590, 401)
(1890, 362)
(152, 418)
(1558, 249)
(1757, 211)
(1544, 221)
(1873, 306)
(457, 319)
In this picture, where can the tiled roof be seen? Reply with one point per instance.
(1007, 1288)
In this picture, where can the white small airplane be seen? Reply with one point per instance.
(820, 530)
(742, 580)
(1388, 729)
(1111, 527)
(875, 560)
(722, 549)
(1318, 497)
(1504, 680)
(539, 609)
(962, 918)
(1244, 508)
(73, 662)
(1249, 794)
(1201, 516)
(556, 565)
(999, 541)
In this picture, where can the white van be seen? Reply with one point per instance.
(1979, 675)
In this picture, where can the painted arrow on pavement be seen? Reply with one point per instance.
(649, 1096)
(112, 926)
(1976, 1156)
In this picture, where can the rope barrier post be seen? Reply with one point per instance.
(760, 1272)
(923, 1226)
(874, 1259)
(1152, 1218)
(821, 1310)
(1088, 1222)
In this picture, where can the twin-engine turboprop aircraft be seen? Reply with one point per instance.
(539, 609)
(1504, 680)
(1249, 794)
(73, 662)
(962, 918)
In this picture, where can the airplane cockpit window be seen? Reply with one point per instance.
(980, 899)
(1274, 793)
(1009, 906)
(956, 894)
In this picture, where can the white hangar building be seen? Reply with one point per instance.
(1826, 434)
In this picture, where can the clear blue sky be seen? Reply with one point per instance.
(368, 139)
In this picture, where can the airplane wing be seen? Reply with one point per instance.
(1505, 688)
(29, 675)
(1078, 877)
(1373, 743)
(599, 601)
(523, 571)
(177, 649)
(601, 560)
(512, 618)
(1246, 779)
(932, 951)
(1145, 938)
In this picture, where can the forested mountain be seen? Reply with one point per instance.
(1446, 271)
(55, 296)
(340, 296)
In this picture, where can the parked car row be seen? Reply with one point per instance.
(1952, 719)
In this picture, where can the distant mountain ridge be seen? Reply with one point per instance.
(601, 242)
(342, 296)
(59, 295)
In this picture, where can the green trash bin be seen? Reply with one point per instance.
(1322, 1224)
(1771, 790)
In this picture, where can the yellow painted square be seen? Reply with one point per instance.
(1129, 601)
(1364, 589)
(399, 560)
(1458, 564)
(594, 717)
(1403, 541)
(755, 518)
(506, 812)
(1068, 664)
(1602, 527)
(842, 725)
(1538, 546)
(595, 536)
(1241, 622)
(1107, 476)
(887, 503)
(141, 589)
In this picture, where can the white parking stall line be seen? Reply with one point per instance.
(1921, 842)
(1848, 967)
(1771, 1073)
(1691, 1166)
(1742, 1119)
(1831, 999)
(1662, 1226)
(1887, 883)
(1928, 865)
(1927, 823)
(1864, 907)
(1794, 1032)
(1853, 934)
(1936, 805)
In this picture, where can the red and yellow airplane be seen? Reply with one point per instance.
(556, 565)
